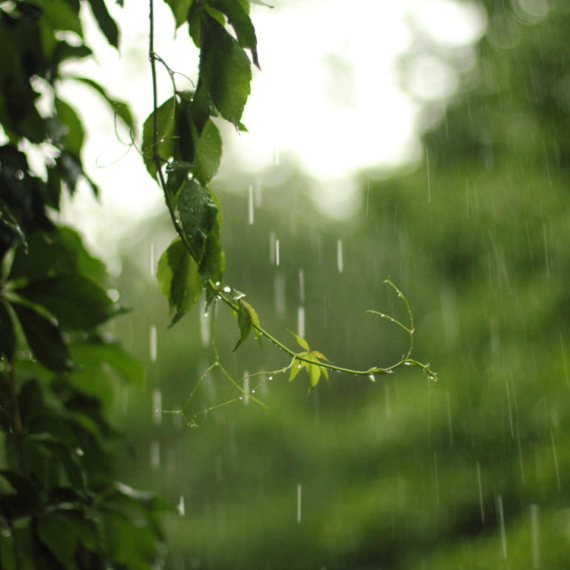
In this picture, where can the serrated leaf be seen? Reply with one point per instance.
(106, 23)
(301, 341)
(207, 152)
(197, 210)
(178, 279)
(240, 21)
(119, 107)
(195, 22)
(254, 320)
(244, 322)
(225, 72)
(177, 173)
(163, 149)
(214, 262)
(180, 10)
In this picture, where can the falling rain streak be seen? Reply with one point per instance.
(250, 206)
(301, 322)
(339, 259)
(299, 503)
(157, 406)
(153, 343)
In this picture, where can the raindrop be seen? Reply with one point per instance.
(181, 508)
(499, 500)
(113, 294)
(155, 454)
(427, 172)
(205, 328)
(157, 406)
(277, 252)
(152, 343)
(270, 378)
(250, 206)
(79, 452)
(301, 322)
(299, 503)
(372, 377)
(339, 255)
(480, 493)
(227, 289)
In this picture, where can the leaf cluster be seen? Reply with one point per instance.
(60, 507)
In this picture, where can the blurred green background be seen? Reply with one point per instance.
(471, 472)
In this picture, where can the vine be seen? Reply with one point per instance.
(182, 151)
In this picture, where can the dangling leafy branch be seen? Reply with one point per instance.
(182, 150)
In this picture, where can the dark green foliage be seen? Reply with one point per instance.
(60, 506)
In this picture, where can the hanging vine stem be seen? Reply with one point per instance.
(195, 221)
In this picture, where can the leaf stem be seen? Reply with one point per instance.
(404, 361)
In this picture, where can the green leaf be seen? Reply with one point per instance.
(207, 152)
(178, 279)
(295, 369)
(177, 173)
(260, 3)
(244, 322)
(195, 22)
(254, 320)
(214, 262)
(165, 129)
(197, 210)
(240, 21)
(7, 335)
(180, 10)
(76, 301)
(302, 342)
(72, 135)
(106, 23)
(44, 339)
(225, 72)
(121, 108)
(62, 531)
(314, 374)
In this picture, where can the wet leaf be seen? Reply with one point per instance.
(44, 339)
(301, 341)
(178, 279)
(163, 149)
(254, 320)
(214, 262)
(76, 301)
(244, 323)
(225, 74)
(207, 152)
(198, 211)
(177, 173)
(240, 21)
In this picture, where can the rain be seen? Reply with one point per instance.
(441, 165)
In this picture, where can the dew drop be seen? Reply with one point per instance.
(372, 378)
